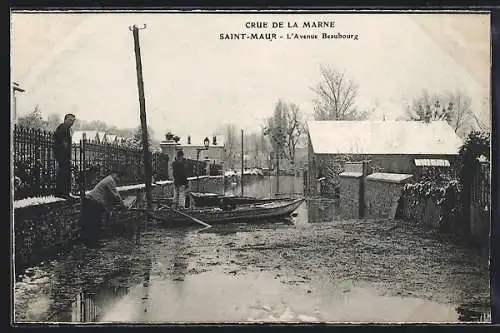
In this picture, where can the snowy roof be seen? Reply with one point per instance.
(197, 141)
(432, 162)
(389, 177)
(351, 174)
(383, 137)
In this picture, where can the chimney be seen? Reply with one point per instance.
(214, 140)
(189, 140)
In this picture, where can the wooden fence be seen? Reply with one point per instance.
(480, 191)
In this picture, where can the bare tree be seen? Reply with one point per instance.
(336, 97)
(231, 144)
(135, 141)
(420, 108)
(295, 128)
(285, 129)
(460, 111)
(454, 108)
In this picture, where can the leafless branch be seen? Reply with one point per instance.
(336, 95)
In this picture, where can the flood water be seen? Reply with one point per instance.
(314, 267)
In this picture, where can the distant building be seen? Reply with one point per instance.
(190, 145)
(89, 136)
(391, 146)
(214, 154)
(98, 137)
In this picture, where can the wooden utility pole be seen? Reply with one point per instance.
(278, 170)
(242, 166)
(148, 170)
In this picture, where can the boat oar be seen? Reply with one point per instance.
(132, 203)
(206, 225)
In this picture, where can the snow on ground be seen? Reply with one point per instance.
(35, 201)
(254, 171)
(27, 202)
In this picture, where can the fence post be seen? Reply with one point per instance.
(82, 166)
(37, 161)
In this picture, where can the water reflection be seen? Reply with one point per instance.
(311, 211)
(83, 309)
(217, 297)
(92, 307)
(473, 313)
(266, 187)
(179, 258)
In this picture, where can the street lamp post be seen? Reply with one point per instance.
(15, 88)
(206, 142)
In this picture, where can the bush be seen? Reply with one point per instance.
(476, 144)
(444, 193)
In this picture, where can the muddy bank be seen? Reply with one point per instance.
(289, 271)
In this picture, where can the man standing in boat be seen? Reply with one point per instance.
(180, 180)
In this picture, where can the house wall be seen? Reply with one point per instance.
(43, 229)
(213, 153)
(318, 165)
(310, 183)
(169, 148)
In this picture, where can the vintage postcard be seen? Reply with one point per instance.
(247, 167)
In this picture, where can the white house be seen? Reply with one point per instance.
(89, 135)
(392, 146)
(215, 153)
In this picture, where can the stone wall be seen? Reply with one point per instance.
(42, 229)
(383, 194)
(39, 229)
(212, 184)
(350, 186)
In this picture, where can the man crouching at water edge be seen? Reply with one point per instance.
(103, 197)
(180, 180)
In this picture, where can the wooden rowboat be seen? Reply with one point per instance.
(214, 200)
(275, 209)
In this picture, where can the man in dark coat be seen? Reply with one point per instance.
(62, 152)
(180, 180)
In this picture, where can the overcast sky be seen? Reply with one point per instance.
(84, 63)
